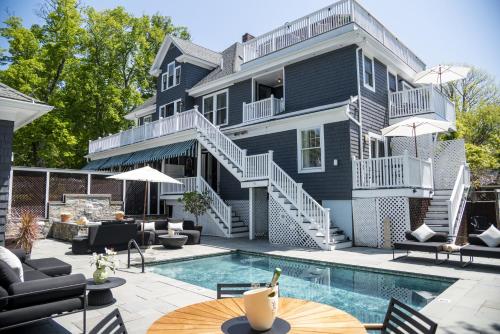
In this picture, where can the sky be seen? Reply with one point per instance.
(438, 31)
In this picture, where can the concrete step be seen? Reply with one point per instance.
(436, 215)
(239, 229)
(440, 197)
(340, 245)
(337, 237)
(239, 235)
(436, 221)
(438, 208)
(446, 192)
(238, 224)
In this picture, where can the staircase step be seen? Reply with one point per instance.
(238, 224)
(438, 208)
(337, 237)
(239, 235)
(437, 215)
(340, 245)
(239, 229)
(443, 192)
(235, 218)
(441, 197)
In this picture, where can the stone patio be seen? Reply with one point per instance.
(471, 305)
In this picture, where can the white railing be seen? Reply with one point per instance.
(217, 204)
(262, 109)
(326, 19)
(256, 167)
(423, 100)
(188, 185)
(392, 172)
(457, 199)
(304, 203)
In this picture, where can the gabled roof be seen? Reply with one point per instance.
(148, 107)
(12, 94)
(231, 62)
(199, 53)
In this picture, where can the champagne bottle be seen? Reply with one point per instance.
(274, 280)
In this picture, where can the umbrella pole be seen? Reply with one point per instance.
(144, 210)
(415, 136)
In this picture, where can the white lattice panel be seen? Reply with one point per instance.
(398, 211)
(365, 222)
(448, 156)
(285, 230)
(260, 212)
(425, 146)
(241, 209)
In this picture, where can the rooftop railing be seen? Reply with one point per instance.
(324, 20)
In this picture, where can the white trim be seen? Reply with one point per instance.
(141, 112)
(21, 112)
(214, 105)
(367, 86)
(389, 72)
(166, 104)
(147, 117)
(300, 168)
(378, 138)
(195, 61)
(405, 85)
(60, 170)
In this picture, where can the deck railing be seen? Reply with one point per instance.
(188, 185)
(262, 109)
(456, 203)
(423, 100)
(392, 172)
(326, 19)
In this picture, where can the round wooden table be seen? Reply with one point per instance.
(302, 316)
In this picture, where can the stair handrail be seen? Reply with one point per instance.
(457, 197)
(304, 202)
(217, 203)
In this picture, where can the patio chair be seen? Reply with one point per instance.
(231, 290)
(400, 318)
(112, 323)
(433, 245)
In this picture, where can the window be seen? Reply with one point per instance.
(147, 119)
(311, 150)
(377, 146)
(406, 86)
(172, 77)
(392, 83)
(368, 73)
(170, 109)
(215, 107)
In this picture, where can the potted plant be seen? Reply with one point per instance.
(28, 231)
(65, 217)
(196, 203)
(103, 262)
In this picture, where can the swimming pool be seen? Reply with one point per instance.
(363, 293)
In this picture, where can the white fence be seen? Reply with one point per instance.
(423, 100)
(262, 109)
(392, 172)
(324, 20)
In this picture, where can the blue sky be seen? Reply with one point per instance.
(438, 31)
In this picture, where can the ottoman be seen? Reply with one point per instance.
(193, 236)
(50, 266)
(80, 245)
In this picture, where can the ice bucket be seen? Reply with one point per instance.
(260, 308)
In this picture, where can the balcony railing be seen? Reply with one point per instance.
(424, 100)
(262, 109)
(392, 172)
(329, 18)
(162, 127)
(188, 185)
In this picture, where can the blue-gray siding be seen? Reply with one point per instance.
(6, 137)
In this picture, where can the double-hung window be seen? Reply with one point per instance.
(215, 107)
(311, 150)
(170, 109)
(172, 77)
(368, 73)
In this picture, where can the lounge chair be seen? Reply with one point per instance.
(433, 245)
(400, 318)
(478, 248)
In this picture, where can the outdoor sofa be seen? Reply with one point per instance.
(189, 229)
(478, 248)
(49, 290)
(433, 245)
(109, 234)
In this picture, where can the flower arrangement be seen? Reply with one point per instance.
(103, 262)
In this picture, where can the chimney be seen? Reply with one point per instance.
(246, 37)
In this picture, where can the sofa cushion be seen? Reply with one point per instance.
(3, 302)
(475, 240)
(175, 226)
(481, 251)
(7, 275)
(150, 226)
(188, 225)
(13, 261)
(423, 233)
(34, 275)
(50, 266)
(491, 237)
(161, 224)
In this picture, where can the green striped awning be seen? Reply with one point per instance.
(117, 160)
(95, 164)
(186, 148)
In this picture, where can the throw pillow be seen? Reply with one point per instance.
(13, 261)
(175, 226)
(149, 226)
(423, 233)
(491, 236)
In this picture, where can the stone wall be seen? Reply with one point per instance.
(94, 207)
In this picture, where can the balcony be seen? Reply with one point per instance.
(324, 20)
(188, 185)
(262, 109)
(392, 172)
(420, 101)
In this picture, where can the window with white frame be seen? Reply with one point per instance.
(172, 77)
(405, 85)
(368, 73)
(170, 109)
(147, 119)
(311, 150)
(215, 107)
(392, 83)
(377, 147)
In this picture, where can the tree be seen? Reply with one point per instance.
(92, 66)
(196, 203)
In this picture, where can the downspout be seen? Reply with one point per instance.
(360, 118)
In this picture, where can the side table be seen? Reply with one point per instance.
(100, 294)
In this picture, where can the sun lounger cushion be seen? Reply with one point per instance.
(423, 233)
(481, 251)
(431, 247)
(491, 237)
(50, 266)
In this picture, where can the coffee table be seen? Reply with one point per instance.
(176, 241)
(100, 294)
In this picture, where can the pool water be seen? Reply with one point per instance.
(365, 294)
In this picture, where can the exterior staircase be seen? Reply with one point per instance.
(437, 213)
(238, 227)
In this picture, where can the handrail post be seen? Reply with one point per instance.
(244, 164)
(229, 222)
(272, 104)
(270, 170)
(327, 225)
(131, 243)
(244, 111)
(299, 197)
(406, 169)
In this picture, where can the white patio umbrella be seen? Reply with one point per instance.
(441, 74)
(415, 126)
(148, 175)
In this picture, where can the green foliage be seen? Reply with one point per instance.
(92, 66)
(195, 203)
